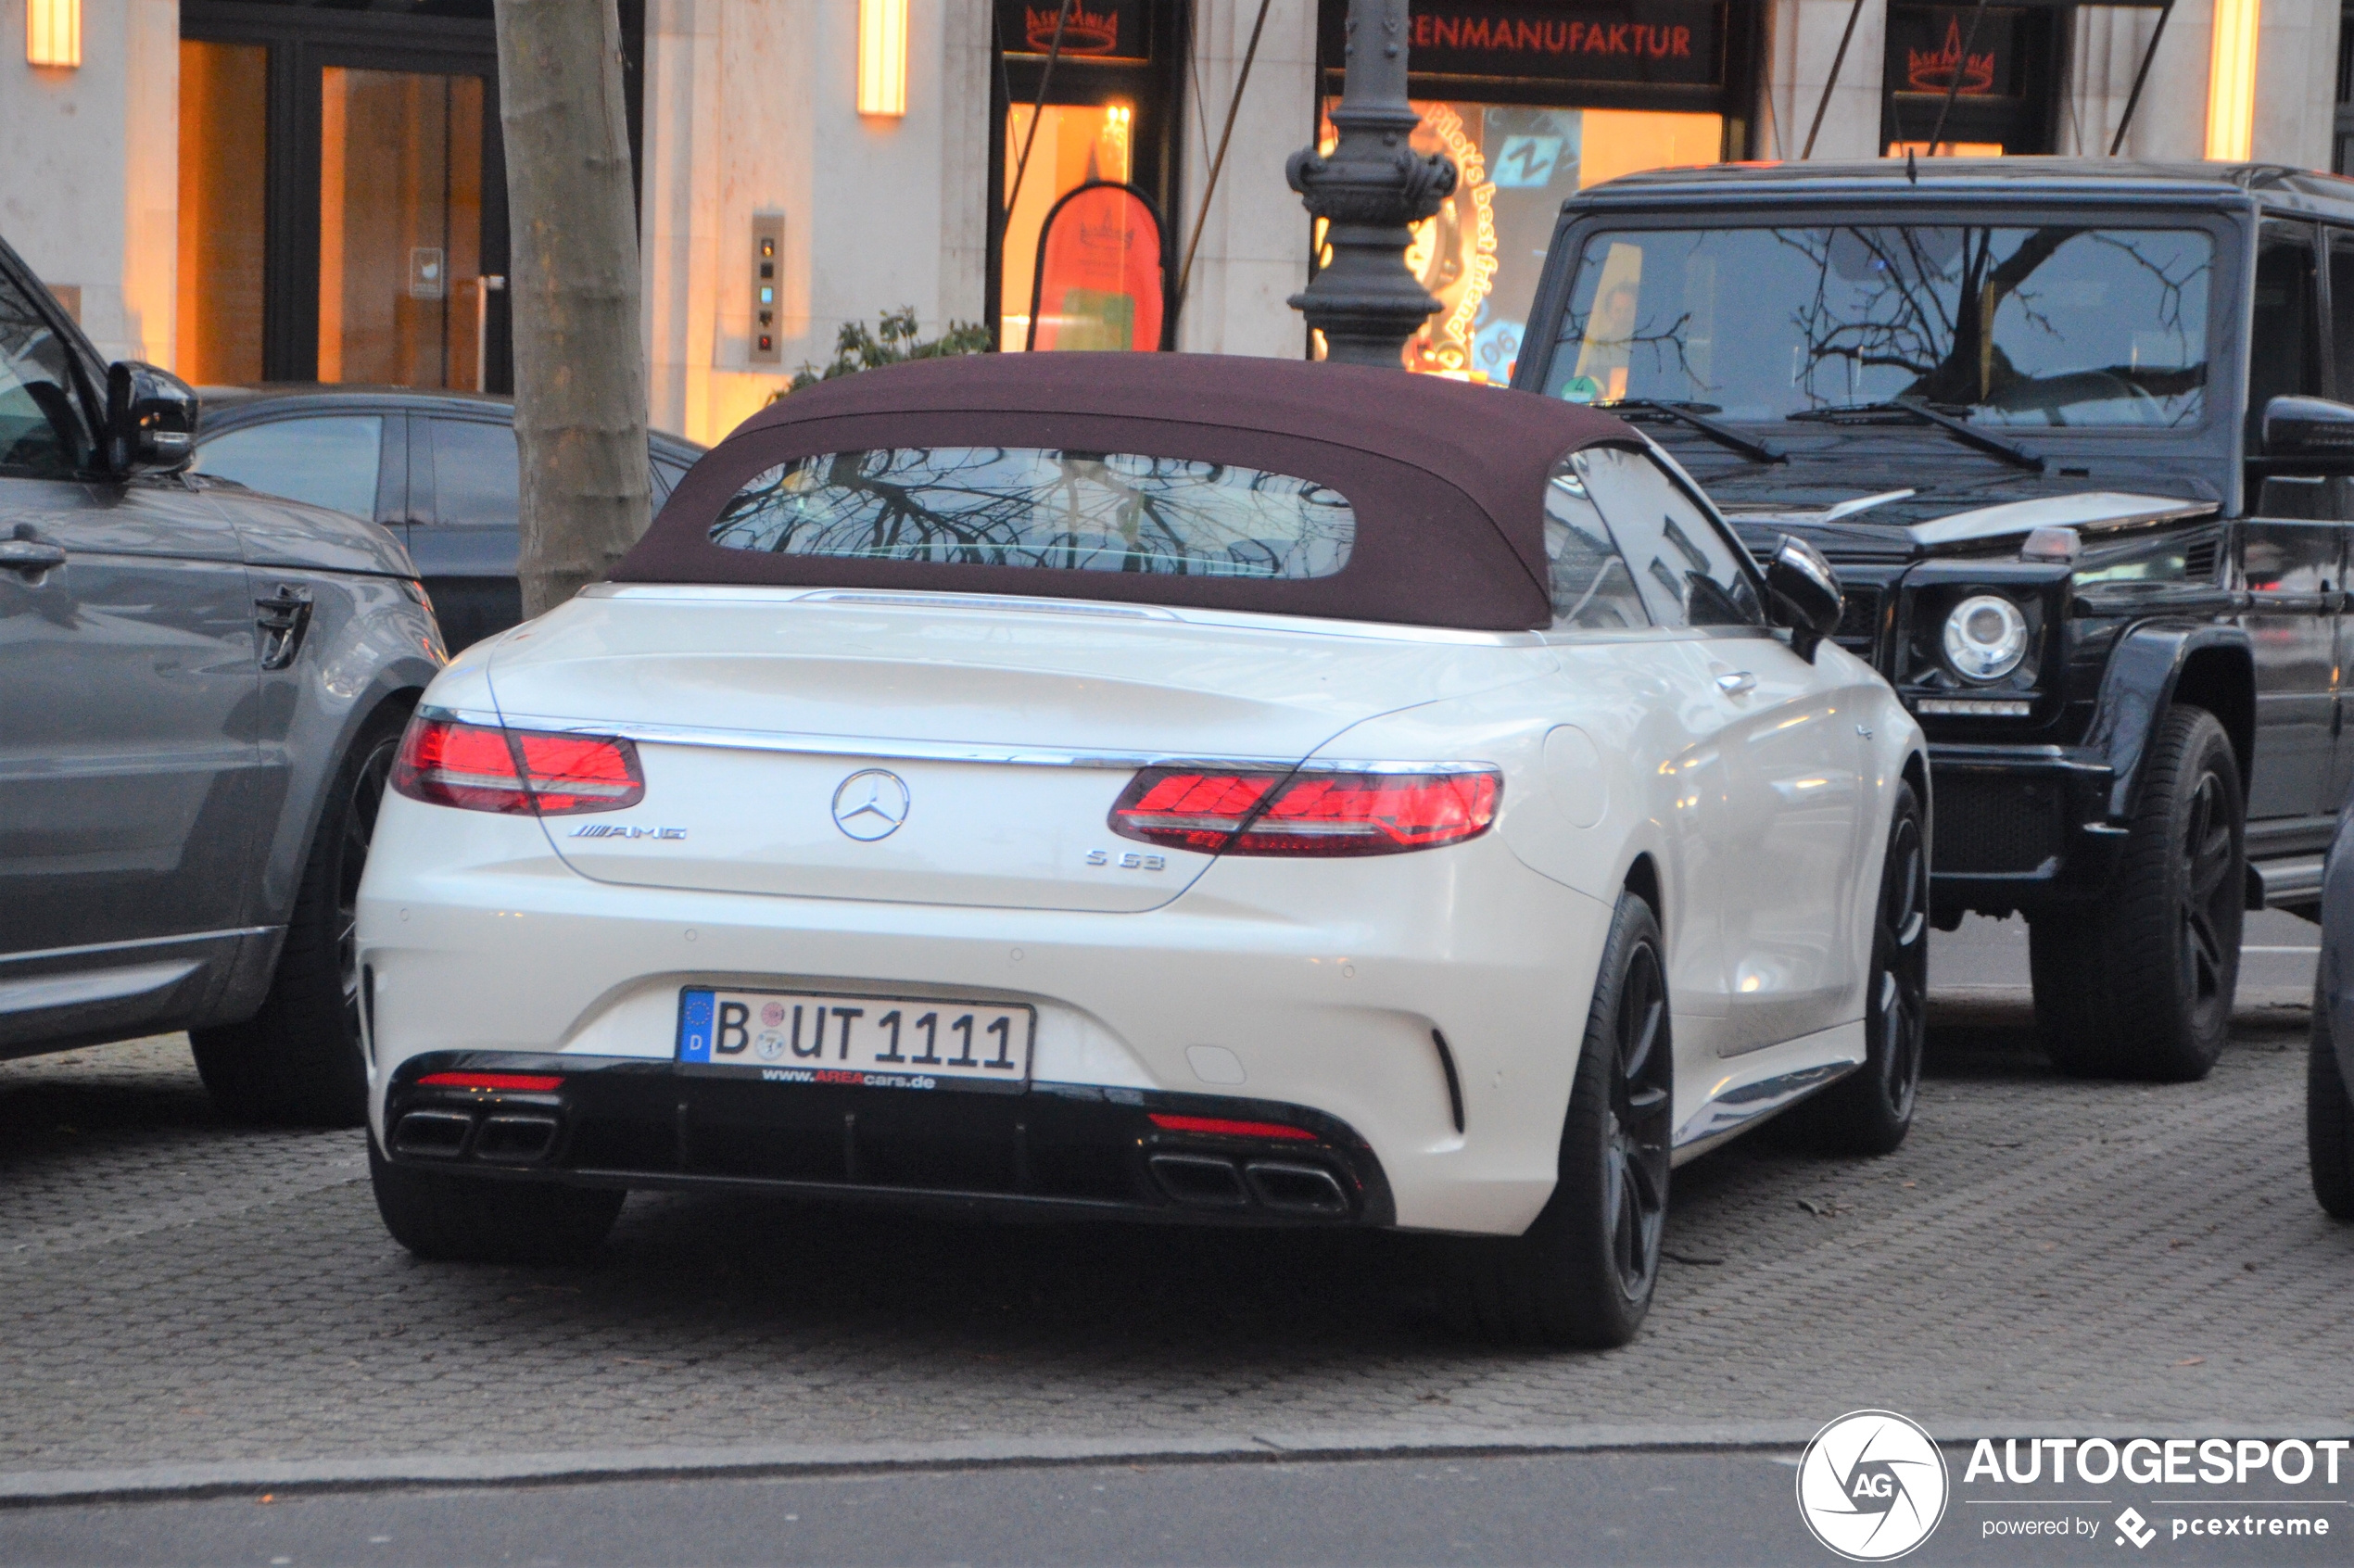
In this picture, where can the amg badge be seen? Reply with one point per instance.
(622, 830)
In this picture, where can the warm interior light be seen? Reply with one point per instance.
(53, 32)
(2231, 82)
(883, 57)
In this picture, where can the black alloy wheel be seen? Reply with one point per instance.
(1636, 1143)
(1869, 1111)
(1583, 1274)
(2141, 985)
(298, 1061)
(2210, 900)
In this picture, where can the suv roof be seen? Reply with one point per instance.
(2000, 177)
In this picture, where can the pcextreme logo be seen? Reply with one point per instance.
(1872, 1486)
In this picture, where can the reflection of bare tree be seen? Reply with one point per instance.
(1951, 315)
(1904, 308)
(1104, 511)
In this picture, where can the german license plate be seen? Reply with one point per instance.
(862, 1041)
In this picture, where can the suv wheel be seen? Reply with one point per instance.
(1583, 1273)
(297, 1061)
(2141, 986)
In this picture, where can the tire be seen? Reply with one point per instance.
(299, 1062)
(448, 1218)
(2329, 1122)
(2141, 986)
(1869, 1111)
(1582, 1275)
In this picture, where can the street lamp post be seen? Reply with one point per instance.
(1369, 189)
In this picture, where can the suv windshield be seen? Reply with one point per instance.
(2038, 326)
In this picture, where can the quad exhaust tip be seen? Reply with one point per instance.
(1281, 1186)
(507, 1138)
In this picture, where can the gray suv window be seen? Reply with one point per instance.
(42, 432)
(328, 461)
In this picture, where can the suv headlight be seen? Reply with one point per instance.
(1985, 638)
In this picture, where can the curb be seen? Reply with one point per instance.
(152, 1483)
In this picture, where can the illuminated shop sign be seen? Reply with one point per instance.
(1940, 55)
(1670, 42)
(1094, 30)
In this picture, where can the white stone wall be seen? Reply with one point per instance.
(1253, 252)
(89, 169)
(1799, 49)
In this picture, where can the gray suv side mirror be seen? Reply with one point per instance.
(2308, 427)
(1807, 595)
(151, 420)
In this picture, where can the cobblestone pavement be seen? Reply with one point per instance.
(2041, 1252)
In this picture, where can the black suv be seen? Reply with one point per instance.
(2078, 437)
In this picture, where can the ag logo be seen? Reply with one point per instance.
(1871, 1486)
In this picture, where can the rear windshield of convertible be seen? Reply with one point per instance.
(1044, 508)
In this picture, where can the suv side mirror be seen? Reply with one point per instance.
(151, 420)
(2308, 427)
(1805, 590)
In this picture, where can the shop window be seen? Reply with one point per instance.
(223, 112)
(1482, 254)
(1075, 144)
(1536, 100)
(1978, 79)
(1100, 106)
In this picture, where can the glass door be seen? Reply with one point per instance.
(343, 202)
(402, 300)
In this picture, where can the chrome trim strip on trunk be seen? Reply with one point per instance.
(889, 749)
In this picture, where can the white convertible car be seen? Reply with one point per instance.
(1150, 785)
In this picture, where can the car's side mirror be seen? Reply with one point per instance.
(151, 419)
(2308, 427)
(1805, 590)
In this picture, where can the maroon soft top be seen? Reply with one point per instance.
(1446, 480)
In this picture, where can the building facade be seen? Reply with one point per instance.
(245, 190)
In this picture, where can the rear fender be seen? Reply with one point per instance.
(2153, 666)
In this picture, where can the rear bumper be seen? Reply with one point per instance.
(2019, 829)
(1315, 987)
(1072, 1150)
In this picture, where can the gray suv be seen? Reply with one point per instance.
(201, 691)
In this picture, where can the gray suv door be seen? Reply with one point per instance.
(129, 763)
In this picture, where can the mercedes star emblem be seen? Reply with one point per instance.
(870, 804)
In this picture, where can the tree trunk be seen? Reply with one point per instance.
(580, 378)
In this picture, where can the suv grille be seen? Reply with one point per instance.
(1859, 620)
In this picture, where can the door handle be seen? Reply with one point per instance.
(30, 556)
(1741, 683)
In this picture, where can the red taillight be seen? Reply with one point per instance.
(1218, 1126)
(528, 1082)
(477, 767)
(1305, 813)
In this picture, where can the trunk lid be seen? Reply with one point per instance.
(929, 749)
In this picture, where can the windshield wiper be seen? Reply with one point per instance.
(1961, 429)
(1693, 415)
